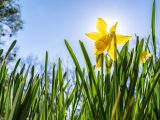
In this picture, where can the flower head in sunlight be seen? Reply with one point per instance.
(144, 56)
(104, 40)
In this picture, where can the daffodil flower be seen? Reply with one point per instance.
(144, 56)
(105, 40)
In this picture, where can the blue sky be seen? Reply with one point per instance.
(48, 22)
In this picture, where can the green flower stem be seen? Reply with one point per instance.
(102, 73)
(115, 74)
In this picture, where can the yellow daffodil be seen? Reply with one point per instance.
(105, 40)
(144, 56)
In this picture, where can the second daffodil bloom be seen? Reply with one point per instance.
(105, 40)
(144, 56)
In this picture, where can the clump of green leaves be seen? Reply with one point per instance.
(128, 90)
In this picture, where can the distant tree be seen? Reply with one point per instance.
(10, 17)
(10, 22)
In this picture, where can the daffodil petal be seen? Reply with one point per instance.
(94, 35)
(149, 54)
(113, 28)
(144, 56)
(143, 60)
(143, 53)
(122, 38)
(101, 25)
(101, 45)
(111, 50)
(97, 52)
